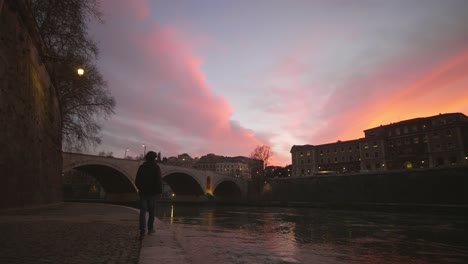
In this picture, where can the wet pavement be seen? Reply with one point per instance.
(70, 233)
(163, 247)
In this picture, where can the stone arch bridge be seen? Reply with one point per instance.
(117, 177)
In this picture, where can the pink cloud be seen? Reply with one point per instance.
(163, 98)
(414, 83)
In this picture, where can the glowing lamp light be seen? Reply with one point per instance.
(80, 71)
(173, 194)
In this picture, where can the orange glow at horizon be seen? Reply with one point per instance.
(441, 90)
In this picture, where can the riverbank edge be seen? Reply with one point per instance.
(451, 209)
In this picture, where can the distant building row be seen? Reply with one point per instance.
(415, 143)
(241, 167)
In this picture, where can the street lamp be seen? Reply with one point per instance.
(144, 151)
(80, 71)
(125, 156)
(46, 58)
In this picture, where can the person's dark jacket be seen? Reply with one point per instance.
(148, 179)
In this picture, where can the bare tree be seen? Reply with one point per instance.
(63, 25)
(263, 153)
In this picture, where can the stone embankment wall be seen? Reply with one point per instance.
(445, 186)
(30, 128)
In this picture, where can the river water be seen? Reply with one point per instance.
(307, 235)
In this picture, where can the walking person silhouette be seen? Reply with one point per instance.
(149, 183)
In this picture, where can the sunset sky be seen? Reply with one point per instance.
(214, 76)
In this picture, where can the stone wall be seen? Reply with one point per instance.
(30, 133)
(444, 186)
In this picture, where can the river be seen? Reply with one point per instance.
(229, 234)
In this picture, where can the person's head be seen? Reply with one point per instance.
(150, 156)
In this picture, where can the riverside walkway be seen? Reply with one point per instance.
(83, 233)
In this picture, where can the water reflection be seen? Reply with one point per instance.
(304, 235)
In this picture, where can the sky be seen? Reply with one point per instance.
(222, 76)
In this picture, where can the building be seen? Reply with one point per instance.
(426, 142)
(236, 166)
(182, 160)
(208, 162)
(234, 169)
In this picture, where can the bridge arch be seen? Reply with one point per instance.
(182, 181)
(183, 184)
(227, 189)
(114, 179)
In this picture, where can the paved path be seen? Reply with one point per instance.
(83, 233)
(162, 247)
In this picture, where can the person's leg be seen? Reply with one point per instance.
(143, 210)
(151, 204)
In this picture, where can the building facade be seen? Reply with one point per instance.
(234, 169)
(235, 166)
(427, 142)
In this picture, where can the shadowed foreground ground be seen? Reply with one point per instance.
(70, 233)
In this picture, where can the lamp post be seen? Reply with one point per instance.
(125, 156)
(45, 58)
(144, 150)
